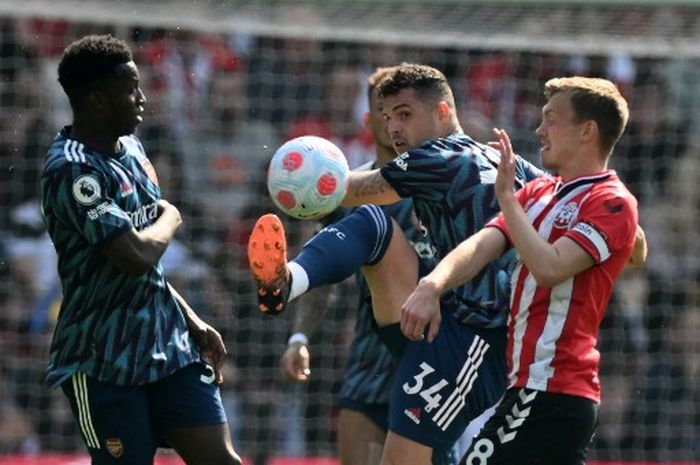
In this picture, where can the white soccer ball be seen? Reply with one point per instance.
(308, 177)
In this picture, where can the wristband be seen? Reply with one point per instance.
(298, 337)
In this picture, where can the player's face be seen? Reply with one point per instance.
(124, 99)
(410, 120)
(559, 132)
(377, 124)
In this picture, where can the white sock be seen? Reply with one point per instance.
(300, 280)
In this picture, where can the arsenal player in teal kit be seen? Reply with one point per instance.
(139, 367)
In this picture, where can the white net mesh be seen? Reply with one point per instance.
(228, 81)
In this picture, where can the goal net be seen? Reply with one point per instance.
(228, 81)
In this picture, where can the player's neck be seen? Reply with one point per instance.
(384, 156)
(452, 128)
(94, 136)
(583, 169)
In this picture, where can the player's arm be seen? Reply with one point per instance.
(369, 187)
(311, 308)
(549, 264)
(639, 252)
(458, 267)
(206, 338)
(136, 252)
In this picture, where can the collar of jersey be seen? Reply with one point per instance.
(562, 190)
(65, 133)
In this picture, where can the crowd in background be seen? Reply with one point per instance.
(220, 104)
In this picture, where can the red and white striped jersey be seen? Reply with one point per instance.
(552, 332)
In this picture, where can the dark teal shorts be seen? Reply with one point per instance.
(124, 424)
(440, 387)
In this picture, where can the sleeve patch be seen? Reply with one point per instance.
(86, 190)
(614, 205)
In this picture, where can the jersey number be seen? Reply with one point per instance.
(430, 394)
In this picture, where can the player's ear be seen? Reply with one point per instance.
(365, 119)
(589, 131)
(94, 98)
(443, 110)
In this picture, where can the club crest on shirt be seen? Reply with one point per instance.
(114, 446)
(566, 215)
(124, 183)
(86, 190)
(150, 171)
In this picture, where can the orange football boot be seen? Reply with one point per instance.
(267, 258)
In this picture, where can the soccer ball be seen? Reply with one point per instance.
(308, 177)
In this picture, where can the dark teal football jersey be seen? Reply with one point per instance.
(451, 183)
(116, 327)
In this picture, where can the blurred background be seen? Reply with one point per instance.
(228, 81)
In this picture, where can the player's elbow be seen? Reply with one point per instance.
(547, 278)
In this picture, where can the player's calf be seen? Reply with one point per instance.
(267, 258)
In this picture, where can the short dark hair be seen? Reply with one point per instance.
(377, 76)
(426, 80)
(594, 99)
(90, 59)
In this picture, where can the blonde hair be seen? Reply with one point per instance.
(594, 99)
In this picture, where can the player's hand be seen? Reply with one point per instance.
(211, 346)
(639, 252)
(422, 308)
(506, 167)
(167, 208)
(295, 363)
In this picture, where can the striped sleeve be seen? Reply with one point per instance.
(605, 225)
(421, 173)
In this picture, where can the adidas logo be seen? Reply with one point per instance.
(413, 414)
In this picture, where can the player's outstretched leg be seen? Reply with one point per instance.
(335, 253)
(267, 256)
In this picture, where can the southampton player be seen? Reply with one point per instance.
(574, 234)
(139, 367)
(438, 387)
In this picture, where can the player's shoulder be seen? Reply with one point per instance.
(453, 144)
(544, 181)
(460, 142)
(133, 146)
(612, 185)
(612, 194)
(541, 185)
(66, 153)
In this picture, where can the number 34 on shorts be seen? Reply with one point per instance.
(430, 393)
(444, 410)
